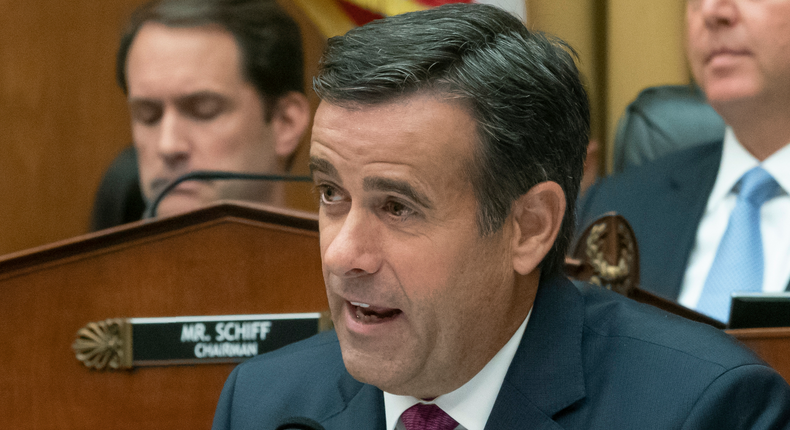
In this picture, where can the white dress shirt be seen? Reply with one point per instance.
(471, 404)
(774, 225)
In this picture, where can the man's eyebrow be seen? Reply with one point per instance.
(142, 100)
(180, 98)
(401, 187)
(320, 165)
(204, 94)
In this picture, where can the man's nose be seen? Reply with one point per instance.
(354, 245)
(717, 13)
(173, 145)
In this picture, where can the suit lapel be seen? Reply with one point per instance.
(689, 188)
(546, 375)
(364, 410)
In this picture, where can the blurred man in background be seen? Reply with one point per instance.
(712, 220)
(212, 85)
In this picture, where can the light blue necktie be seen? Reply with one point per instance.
(739, 263)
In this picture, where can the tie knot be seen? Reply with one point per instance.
(427, 417)
(757, 186)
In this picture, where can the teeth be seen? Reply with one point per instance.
(361, 305)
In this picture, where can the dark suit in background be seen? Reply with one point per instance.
(663, 201)
(119, 199)
(589, 359)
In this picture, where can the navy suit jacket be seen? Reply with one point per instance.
(664, 202)
(589, 359)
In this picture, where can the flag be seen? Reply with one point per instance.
(336, 17)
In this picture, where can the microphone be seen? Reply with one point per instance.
(299, 423)
(212, 175)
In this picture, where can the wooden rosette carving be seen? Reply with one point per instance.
(105, 345)
(609, 254)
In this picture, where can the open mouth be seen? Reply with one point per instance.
(368, 314)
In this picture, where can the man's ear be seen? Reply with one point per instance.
(289, 121)
(537, 217)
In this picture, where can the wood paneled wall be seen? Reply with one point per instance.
(62, 118)
(646, 47)
(624, 46)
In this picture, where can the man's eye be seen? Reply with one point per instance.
(329, 194)
(146, 113)
(203, 107)
(397, 209)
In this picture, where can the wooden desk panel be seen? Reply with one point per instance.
(771, 344)
(229, 263)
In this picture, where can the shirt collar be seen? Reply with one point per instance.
(778, 166)
(471, 404)
(736, 160)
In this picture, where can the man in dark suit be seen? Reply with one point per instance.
(684, 207)
(447, 153)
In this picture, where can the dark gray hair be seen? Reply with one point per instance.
(268, 39)
(522, 88)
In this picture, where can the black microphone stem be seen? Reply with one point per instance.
(211, 175)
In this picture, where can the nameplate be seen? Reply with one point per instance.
(127, 343)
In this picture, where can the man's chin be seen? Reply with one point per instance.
(394, 377)
(178, 204)
(386, 368)
(721, 93)
(376, 372)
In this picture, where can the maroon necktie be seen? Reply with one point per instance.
(427, 417)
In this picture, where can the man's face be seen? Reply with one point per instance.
(191, 109)
(419, 299)
(739, 50)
